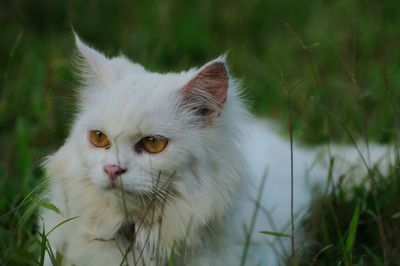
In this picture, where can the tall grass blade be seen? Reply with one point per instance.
(50, 206)
(351, 237)
(375, 258)
(58, 225)
(249, 232)
(277, 234)
(396, 215)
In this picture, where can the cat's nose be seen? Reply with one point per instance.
(113, 171)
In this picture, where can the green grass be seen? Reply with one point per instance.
(361, 229)
(344, 54)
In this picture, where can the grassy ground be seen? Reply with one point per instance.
(341, 57)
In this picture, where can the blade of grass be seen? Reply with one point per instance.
(171, 260)
(58, 225)
(351, 237)
(50, 206)
(42, 246)
(249, 232)
(375, 258)
(288, 93)
(277, 234)
(315, 259)
(396, 215)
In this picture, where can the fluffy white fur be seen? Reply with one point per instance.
(192, 199)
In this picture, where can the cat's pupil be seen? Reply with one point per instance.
(100, 136)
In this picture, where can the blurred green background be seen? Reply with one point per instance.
(340, 60)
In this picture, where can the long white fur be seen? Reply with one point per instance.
(216, 172)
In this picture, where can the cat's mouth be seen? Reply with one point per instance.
(145, 195)
(160, 189)
(138, 191)
(119, 187)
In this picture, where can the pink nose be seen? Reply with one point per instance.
(113, 171)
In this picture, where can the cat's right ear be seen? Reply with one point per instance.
(92, 64)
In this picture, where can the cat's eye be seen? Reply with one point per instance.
(152, 144)
(99, 139)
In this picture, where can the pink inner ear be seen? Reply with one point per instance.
(209, 87)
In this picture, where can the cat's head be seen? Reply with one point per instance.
(137, 131)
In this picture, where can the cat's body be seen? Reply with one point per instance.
(192, 197)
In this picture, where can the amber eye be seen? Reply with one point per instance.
(99, 139)
(153, 144)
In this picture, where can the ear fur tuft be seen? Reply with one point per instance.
(92, 63)
(206, 92)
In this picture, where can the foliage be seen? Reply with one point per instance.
(372, 240)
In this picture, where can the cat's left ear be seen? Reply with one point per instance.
(93, 64)
(206, 92)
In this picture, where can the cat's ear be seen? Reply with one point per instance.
(92, 64)
(206, 92)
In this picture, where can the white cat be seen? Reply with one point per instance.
(168, 166)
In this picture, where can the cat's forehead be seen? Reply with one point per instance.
(141, 104)
(144, 91)
(152, 83)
